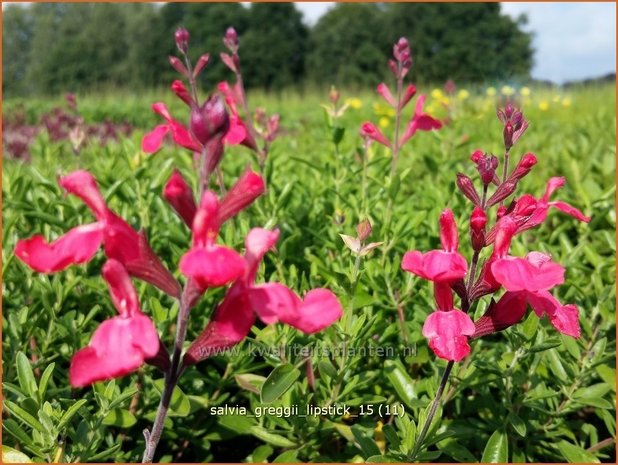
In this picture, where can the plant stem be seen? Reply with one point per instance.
(364, 183)
(397, 124)
(171, 379)
(505, 168)
(432, 409)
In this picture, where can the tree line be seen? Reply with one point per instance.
(59, 47)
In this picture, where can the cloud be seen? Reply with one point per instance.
(572, 40)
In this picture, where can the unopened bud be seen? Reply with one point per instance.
(180, 196)
(508, 135)
(465, 185)
(230, 40)
(501, 211)
(242, 194)
(392, 65)
(229, 62)
(524, 166)
(363, 230)
(333, 95)
(401, 50)
(202, 62)
(178, 66)
(182, 39)
(478, 222)
(181, 92)
(502, 192)
(209, 120)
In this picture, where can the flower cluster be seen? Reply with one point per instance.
(400, 66)
(525, 280)
(122, 344)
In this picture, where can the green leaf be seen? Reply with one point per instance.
(327, 370)
(497, 448)
(250, 382)
(518, 424)
(10, 455)
(72, 410)
(367, 445)
(120, 417)
(575, 454)
(403, 384)
(45, 377)
(594, 391)
(261, 454)
(25, 376)
(180, 406)
(289, 456)
(338, 133)
(271, 438)
(24, 416)
(278, 382)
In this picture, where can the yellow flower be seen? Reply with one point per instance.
(379, 437)
(355, 102)
(384, 122)
(491, 91)
(463, 94)
(566, 102)
(543, 105)
(556, 99)
(525, 91)
(507, 90)
(437, 94)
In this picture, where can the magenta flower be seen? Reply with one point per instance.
(180, 196)
(370, 131)
(534, 273)
(420, 122)
(208, 264)
(120, 241)
(121, 344)
(271, 302)
(446, 265)
(448, 328)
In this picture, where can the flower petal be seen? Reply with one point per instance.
(213, 266)
(83, 185)
(152, 141)
(273, 302)
(447, 333)
(75, 247)
(519, 274)
(320, 308)
(565, 318)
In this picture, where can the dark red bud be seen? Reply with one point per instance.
(182, 39)
(502, 192)
(209, 120)
(465, 185)
(363, 230)
(476, 156)
(478, 222)
(242, 194)
(178, 66)
(524, 166)
(230, 40)
(181, 92)
(202, 62)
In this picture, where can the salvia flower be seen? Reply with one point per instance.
(119, 240)
(121, 344)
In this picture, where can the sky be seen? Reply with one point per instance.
(571, 40)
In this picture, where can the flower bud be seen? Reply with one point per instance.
(180, 196)
(242, 194)
(181, 91)
(478, 222)
(363, 230)
(502, 192)
(209, 120)
(230, 40)
(465, 185)
(272, 126)
(202, 62)
(524, 166)
(229, 62)
(407, 95)
(485, 165)
(333, 95)
(448, 231)
(182, 39)
(401, 49)
(392, 65)
(178, 66)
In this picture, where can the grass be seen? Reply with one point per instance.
(527, 394)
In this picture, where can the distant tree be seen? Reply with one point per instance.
(274, 46)
(348, 45)
(17, 33)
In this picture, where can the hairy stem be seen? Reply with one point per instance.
(432, 410)
(171, 379)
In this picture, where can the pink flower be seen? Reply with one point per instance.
(121, 344)
(445, 265)
(180, 196)
(384, 92)
(420, 122)
(511, 308)
(154, 139)
(78, 246)
(238, 132)
(208, 264)
(272, 302)
(369, 130)
(534, 273)
(448, 328)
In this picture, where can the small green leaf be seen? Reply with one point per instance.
(261, 454)
(327, 370)
(575, 454)
(10, 455)
(289, 456)
(271, 438)
(518, 424)
(72, 410)
(367, 445)
(24, 416)
(45, 377)
(403, 384)
(250, 382)
(120, 417)
(25, 376)
(497, 448)
(278, 382)
(180, 406)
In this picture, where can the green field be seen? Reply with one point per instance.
(527, 394)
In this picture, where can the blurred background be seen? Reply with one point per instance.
(49, 48)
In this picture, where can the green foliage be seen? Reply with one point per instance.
(524, 395)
